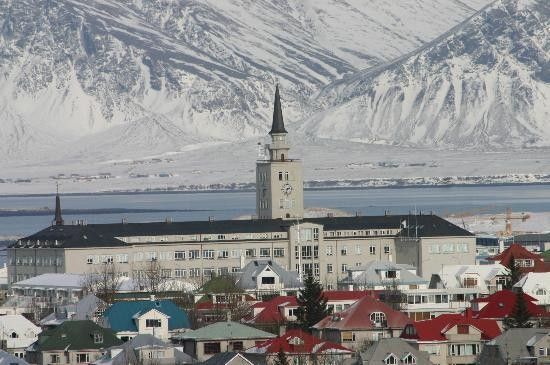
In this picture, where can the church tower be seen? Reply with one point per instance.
(279, 182)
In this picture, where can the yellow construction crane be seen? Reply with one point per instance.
(508, 217)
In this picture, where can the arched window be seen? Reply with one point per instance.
(378, 317)
(14, 335)
(540, 291)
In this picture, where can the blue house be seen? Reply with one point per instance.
(160, 318)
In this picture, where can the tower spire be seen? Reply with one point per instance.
(58, 219)
(278, 125)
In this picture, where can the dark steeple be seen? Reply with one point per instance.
(58, 219)
(278, 125)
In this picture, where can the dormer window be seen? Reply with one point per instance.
(98, 337)
(14, 335)
(378, 317)
(409, 359)
(151, 323)
(391, 359)
(540, 291)
(296, 341)
(391, 274)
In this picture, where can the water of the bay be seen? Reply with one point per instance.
(228, 205)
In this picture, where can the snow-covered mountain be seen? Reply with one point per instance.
(111, 77)
(484, 84)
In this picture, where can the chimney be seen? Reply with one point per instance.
(152, 297)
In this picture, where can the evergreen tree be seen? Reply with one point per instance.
(515, 273)
(281, 358)
(312, 305)
(520, 314)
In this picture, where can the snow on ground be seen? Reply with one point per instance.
(494, 223)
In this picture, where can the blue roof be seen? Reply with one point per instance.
(120, 316)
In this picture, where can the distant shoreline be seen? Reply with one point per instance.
(241, 190)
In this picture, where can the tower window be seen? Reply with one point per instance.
(282, 156)
(286, 174)
(280, 176)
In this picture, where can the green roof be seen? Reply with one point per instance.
(223, 331)
(76, 335)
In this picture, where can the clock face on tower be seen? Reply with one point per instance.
(286, 189)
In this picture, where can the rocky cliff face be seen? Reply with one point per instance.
(483, 84)
(156, 75)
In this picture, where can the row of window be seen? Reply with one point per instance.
(189, 273)
(186, 255)
(38, 261)
(344, 250)
(372, 232)
(448, 248)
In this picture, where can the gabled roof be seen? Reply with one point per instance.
(51, 280)
(121, 315)
(451, 275)
(380, 349)
(249, 274)
(370, 274)
(435, 329)
(357, 317)
(501, 305)
(75, 335)
(231, 358)
(8, 359)
(295, 342)
(518, 252)
(511, 344)
(84, 309)
(270, 312)
(223, 331)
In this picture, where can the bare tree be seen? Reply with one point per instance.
(151, 277)
(104, 282)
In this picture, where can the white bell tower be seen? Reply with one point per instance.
(279, 181)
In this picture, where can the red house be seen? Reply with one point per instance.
(527, 261)
(501, 305)
(303, 348)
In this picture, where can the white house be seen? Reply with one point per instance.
(379, 275)
(537, 285)
(18, 332)
(488, 278)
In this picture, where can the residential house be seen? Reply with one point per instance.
(210, 340)
(267, 277)
(160, 318)
(302, 348)
(486, 278)
(420, 304)
(72, 342)
(17, 333)
(90, 307)
(365, 321)
(281, 310)
(392, 351)
(8, 359)
(451, 338)
(145, 350)
(501, 304)
(526, 260)
(380, 275)
(518, 346)
(537, 285)
(235, 358)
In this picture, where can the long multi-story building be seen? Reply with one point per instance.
(195, 250)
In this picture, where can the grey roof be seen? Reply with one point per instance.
(225, 357)
(511, 344)
(278, 125)
(8, 359)
(128, 354)
(105, 235)
(224, 330)
(369, 274)
(248, 275)
(84, 309)
(380, 350)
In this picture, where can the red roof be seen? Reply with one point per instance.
(270, 312)
(297, 341)
(357, 317)
(501, 305)
(518, 252)
(436, 328)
